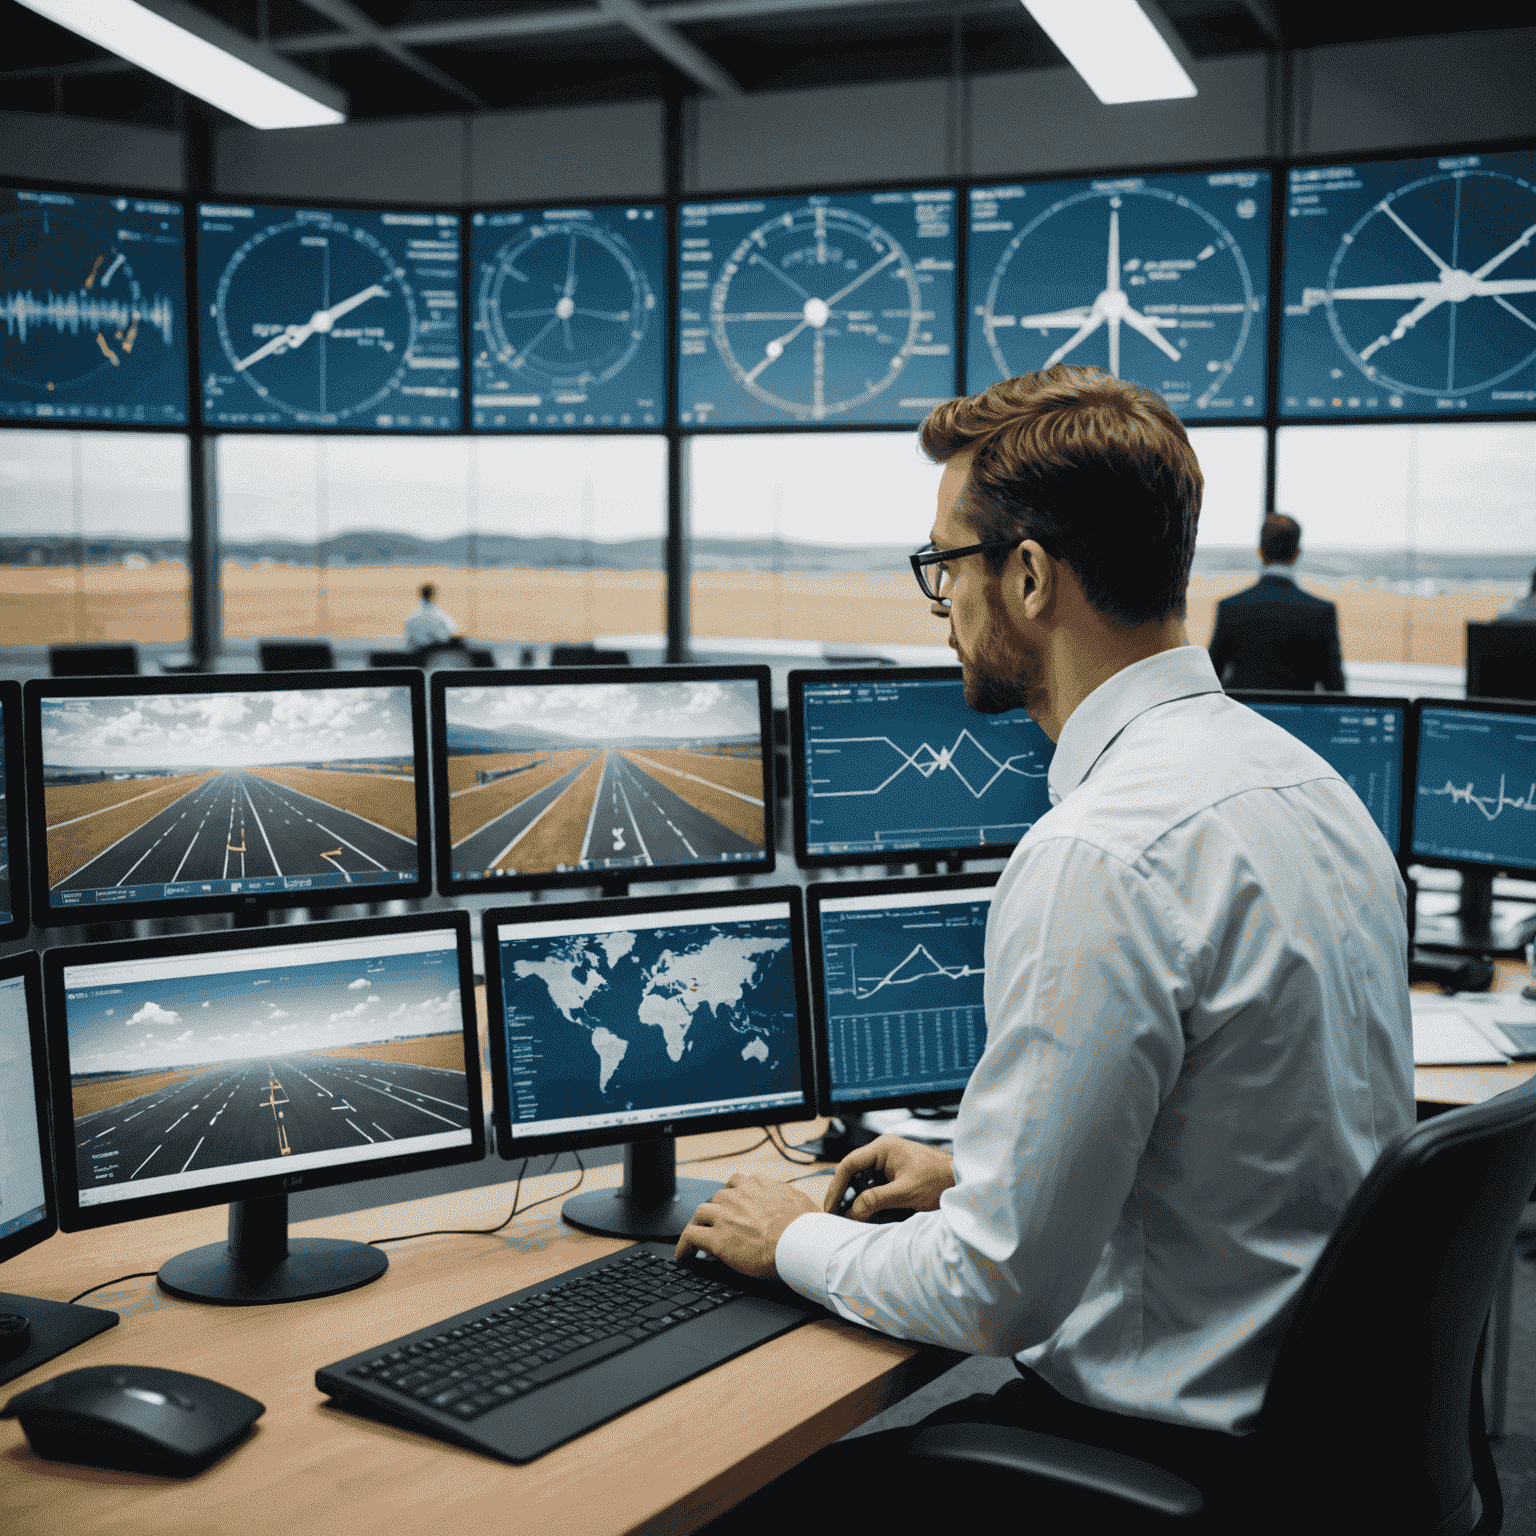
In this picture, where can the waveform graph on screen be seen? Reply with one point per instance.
(1475, 790)
(91, 322)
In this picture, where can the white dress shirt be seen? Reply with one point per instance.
(1198, 1041)
(429, 625)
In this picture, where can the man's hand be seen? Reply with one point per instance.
(744, 1222)
(916, 1176)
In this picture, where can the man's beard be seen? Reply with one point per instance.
(1004, 675)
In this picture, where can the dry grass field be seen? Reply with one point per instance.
(113, 810)
(445, 1051)
(681, 772)
(556, 837)
(87, 1097)
(46, 605)
(470, 811)
(463, 772)
(387, 802)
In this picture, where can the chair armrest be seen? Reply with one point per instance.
(1032, 1454)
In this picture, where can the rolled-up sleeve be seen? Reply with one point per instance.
(1085, 973)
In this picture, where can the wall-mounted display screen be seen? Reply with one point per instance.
(91, 297)
(317, 318)
(836, 308)
(569, 318)
(1410, 287)
(1160, 279)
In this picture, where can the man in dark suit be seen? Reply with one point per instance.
(1274, 635)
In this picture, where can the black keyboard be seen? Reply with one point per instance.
(528, 1371)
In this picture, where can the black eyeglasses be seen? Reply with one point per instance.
(937, 560)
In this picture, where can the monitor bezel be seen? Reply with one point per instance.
(73, 1217)
(1409, 856)
(514, 1149)
(37, 689)
(29, 968)
(553, 677)
(1365, 701)
(798, 681)
(16, 810)
(816, 896)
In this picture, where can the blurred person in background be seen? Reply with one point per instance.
(429, 625)
(1522, 610)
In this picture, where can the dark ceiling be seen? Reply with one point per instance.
(400, 58)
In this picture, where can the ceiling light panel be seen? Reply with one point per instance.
(1115, 46)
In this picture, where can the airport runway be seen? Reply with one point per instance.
(241, 826)
(635, 821)
(268, 1107)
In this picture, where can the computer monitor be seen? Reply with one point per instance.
(32, 1330)
(1473, 808)
(1501, 661)
(1364, 738)
(897, 969)
(888, 763)
(13, 825)
(642, 1020)
(173, 795)
(597, 777)
(243, 1065)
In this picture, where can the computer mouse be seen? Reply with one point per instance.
(134, 1418)
(867, 1178)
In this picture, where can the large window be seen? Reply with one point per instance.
(1232, 461)
(93, 537)
(524, 539)
(1412, 531)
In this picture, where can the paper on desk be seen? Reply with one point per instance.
(1444, 1036)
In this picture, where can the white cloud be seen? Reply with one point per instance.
(110, 1012)
(277, 1013)
(153, 1013)
(182, 1038)
(373, 997)
(205, 1004)
(358, 985)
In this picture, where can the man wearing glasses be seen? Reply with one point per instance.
(1198, 1034)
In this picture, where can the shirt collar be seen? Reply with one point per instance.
(1280, 572)
(1094, 724)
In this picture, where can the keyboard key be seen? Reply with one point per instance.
(575, 1360)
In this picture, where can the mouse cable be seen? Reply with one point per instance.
(562, 1193)
(782, 1148)
(517, 1193)
(138, 1274)
(714, 1157)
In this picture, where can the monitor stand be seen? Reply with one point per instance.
(651, 1204)
(260, 1263)
(842, 1136)
(49, 1329)
(1475, 929)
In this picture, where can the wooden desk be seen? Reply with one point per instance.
(1449, 1086)
(670, 1465)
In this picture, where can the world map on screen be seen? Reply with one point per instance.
(650, 1018)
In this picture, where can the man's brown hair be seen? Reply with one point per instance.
(1279, 539)
(1097, 471)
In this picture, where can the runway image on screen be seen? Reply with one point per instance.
(902, 978)
(836, 307)
(92, 317)
(1162, 280)
(548, 778)
(569, 320)
(634, 1020)
(909, 764)
(187, 796)
(1475, 789)
(187, 1071)
(1410, 287)
(327, 318)
(1365, 745)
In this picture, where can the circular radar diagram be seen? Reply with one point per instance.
(816, 311)
(73, 311)
(1433, 291)
(317, 317)
(1142, 281)
(565, 305)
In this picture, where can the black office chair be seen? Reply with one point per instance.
(296, 655)
(449, 656)
(586, 656)
(93, 660)
(1373, 1418)
(1501, 661)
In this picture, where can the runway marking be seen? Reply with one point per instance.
(635, 824)
(529, 828)
(135, 1115)
(380, 1129)
(193, 1153)
(262, 829)
(710, 783)
(417, 1091)
(177, 1121)
(361, 1132)
(417, 1107)
(330, 859)
(126, 835)
(137, 1170)
(597, 800)
(190, 846)
(288, 789)
(55, 825)
(107, 1132)
(308, 1079)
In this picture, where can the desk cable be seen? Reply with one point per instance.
(138, 1274)
(516, 1210)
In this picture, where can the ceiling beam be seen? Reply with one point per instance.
(359, 25)
(672, 46)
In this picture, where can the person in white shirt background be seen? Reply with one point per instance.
(428, 625)
(1198, 1029)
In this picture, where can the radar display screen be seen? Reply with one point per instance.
(91, 295)
(569, 318)
(315, 318)
(1410, 287)
(1160, 279)
(836, 308)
